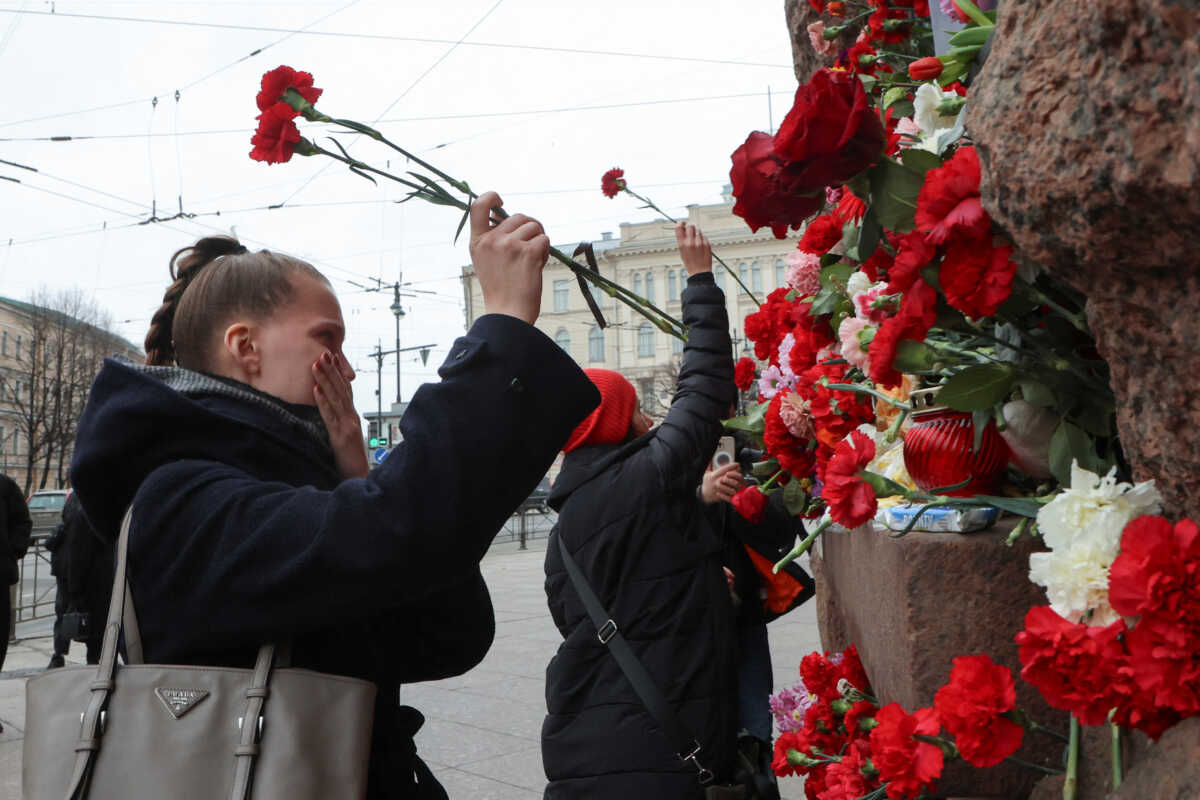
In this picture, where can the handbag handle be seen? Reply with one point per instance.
(121, 614)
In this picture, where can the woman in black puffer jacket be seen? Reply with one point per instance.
(628, 515)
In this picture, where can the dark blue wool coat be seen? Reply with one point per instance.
(242, 531)
(629, 516)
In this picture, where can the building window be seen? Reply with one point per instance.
(780, 272)
(637, 283)
(755, 277)
(672, 285)
(650, 286)
(645, 340)
(563, 339)
(596, 344)
(561, 288)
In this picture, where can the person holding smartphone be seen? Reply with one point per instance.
(629, 519)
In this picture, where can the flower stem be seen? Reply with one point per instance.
(1071, 782)
(1117, 763)
(650, 204)
(803, 547)
(1035, 767)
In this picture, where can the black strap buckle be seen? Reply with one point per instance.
(606, 632)
(704, 775)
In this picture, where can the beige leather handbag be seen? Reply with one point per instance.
(149, 732)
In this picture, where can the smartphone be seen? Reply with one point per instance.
(725, 452)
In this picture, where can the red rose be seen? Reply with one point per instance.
(925, 69)
(831, 133)
(949, 199)
(793, 455)
(851, 501)
(909, 767)
(970, 706)
(750, 503)
(1158, 570)
(844, 780)
(1073, 665)
(743, 373)
(612, 182)
(976, 277)
(821, 235)
(277, 134)
(764, 192)
(276, 82)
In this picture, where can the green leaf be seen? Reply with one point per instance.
(1036, 393)
(894, 94)
(1070, 442)
(754, 422)
(794, 497)
(977, 388)
(869, 235)
(913, 356)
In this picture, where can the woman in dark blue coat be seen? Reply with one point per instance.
(629, 517)
(254, 518)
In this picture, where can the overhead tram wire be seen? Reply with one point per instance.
(257, 51)
(402, 95)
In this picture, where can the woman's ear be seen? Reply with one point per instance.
(240, 346)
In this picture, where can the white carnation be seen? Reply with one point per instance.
(1082, 526)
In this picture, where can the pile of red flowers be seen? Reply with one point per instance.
(849, 745)
(1147, 673)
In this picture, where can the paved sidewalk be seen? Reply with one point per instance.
(482, 729)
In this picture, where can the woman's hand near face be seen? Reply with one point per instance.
(336, 404)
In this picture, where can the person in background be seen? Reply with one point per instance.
(629, 519)
(16, 526)
(83, 565)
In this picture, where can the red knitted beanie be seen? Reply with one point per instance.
(609, 423)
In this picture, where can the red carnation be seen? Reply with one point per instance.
(821, 235)
(1073, 665)
(794, 455)
(750, 503)
(851, 501)
(830, 134)
(612, 182)
(970, 706)
(975, 276)
(949, 200)
(276, 83)
(844, 780)
(910, 767)
(743, 373)
(277, 134)
(764, 191)
(1158, 570)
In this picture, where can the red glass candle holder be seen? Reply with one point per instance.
(938, 449)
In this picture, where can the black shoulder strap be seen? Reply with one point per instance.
(685, 746)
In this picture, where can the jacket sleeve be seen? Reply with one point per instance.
(20, 523)
(687, 437)
(237, 557)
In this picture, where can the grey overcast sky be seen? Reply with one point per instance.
(665, 90)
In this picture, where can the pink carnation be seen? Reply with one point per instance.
(851, 348)
(816, 35)
(804, 272)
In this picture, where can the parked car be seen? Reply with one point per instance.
(45, 508)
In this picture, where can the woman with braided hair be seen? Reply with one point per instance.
(254, 516)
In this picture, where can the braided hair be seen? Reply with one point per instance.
(212, 281)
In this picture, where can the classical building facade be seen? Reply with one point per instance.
(48, 359)
(646, 260)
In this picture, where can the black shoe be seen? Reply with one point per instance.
(56, 661)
